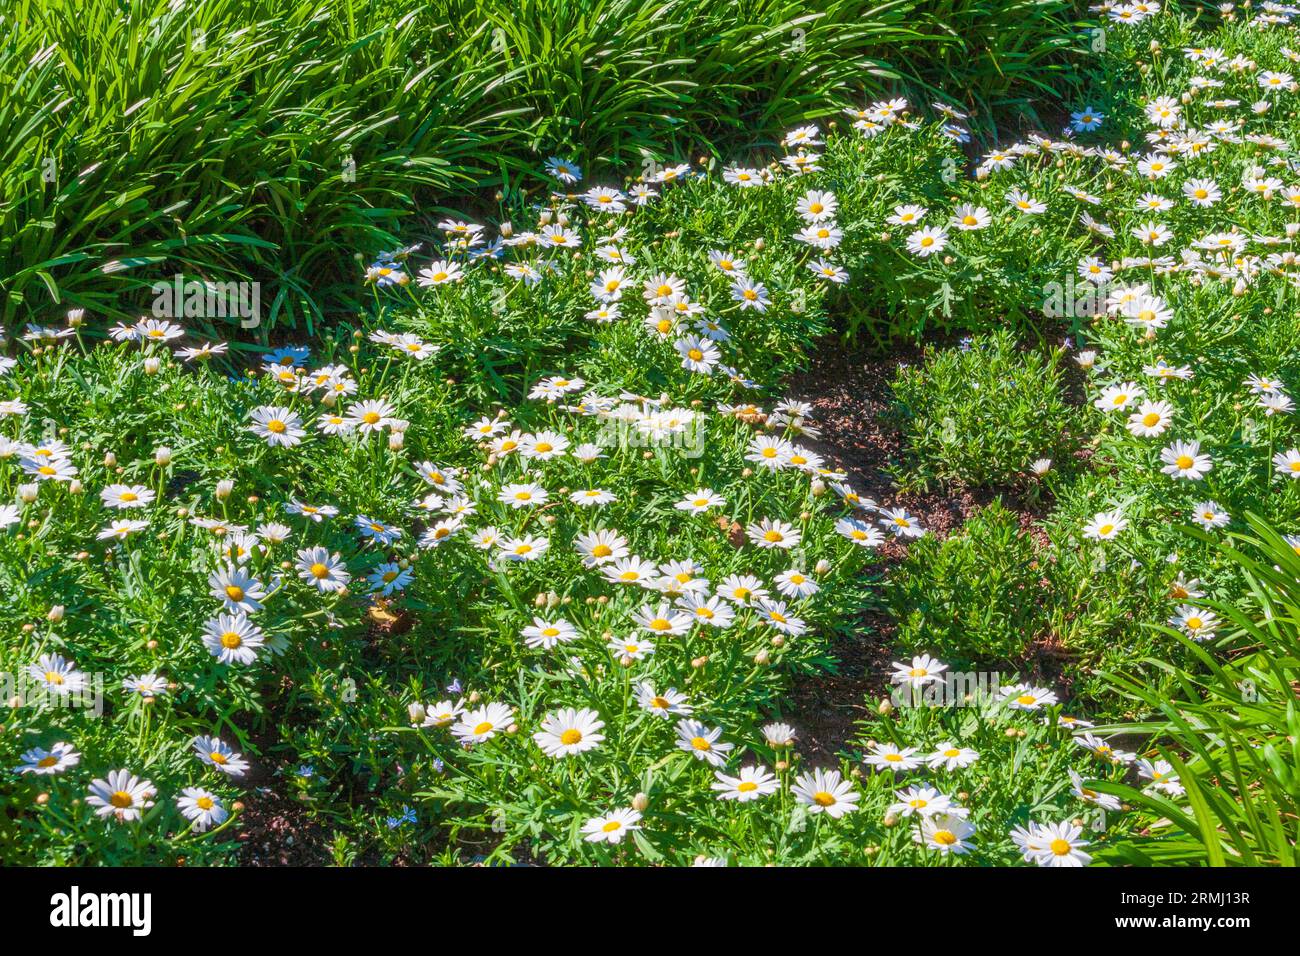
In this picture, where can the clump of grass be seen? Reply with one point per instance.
(980, 414)
(974, 596)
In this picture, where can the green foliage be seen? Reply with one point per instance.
(1231, 730)
(973, 597)
(273, 142)
(981, 414)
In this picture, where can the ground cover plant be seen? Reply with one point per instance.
(521, 560)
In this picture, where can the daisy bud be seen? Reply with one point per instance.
(396, 440)
(506, 229)
(699, 662)
(782, 766)
(415, 713)
(75, 486)
(474, 697)
(821, 567)
(778, 641)
(552, 599)
(760, 244)
(746, 472)
(640, 802)
(151, 645)
(818, 488)
(625, 661)
(76, 317)
(540, 600)
(512, 729)
(28, 628)
(27, 493)
(224, 487)
(805, 516)
(237, 806)
(162, 456)
(1010, 732)
(885, 708)
(762, 657)
(152, 364)
(963, 796)
(110, 460)
(56, 614)
(42, 799)
(891, 819)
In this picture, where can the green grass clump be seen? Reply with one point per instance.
(975, 596)
(980, 414)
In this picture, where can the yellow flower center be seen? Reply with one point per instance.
(823, 799)
(570, 737)
(231, 640)
(121, 799)
(483, 727)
